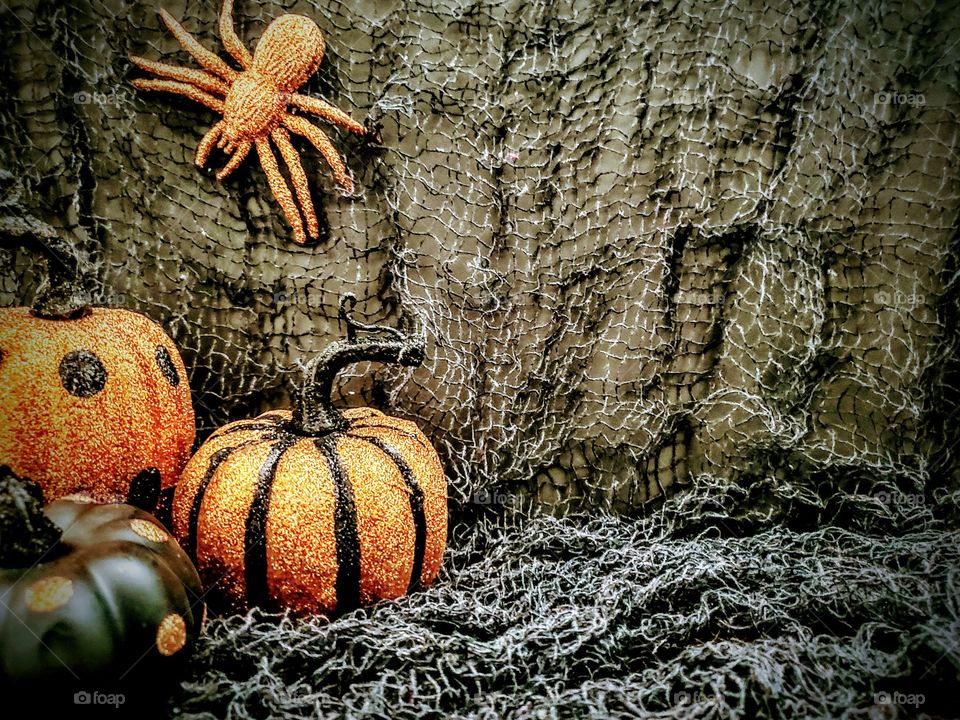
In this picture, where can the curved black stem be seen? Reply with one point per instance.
(26, 533)
(314, 412)
(62, 296)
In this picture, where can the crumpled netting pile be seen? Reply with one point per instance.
(823, 604)
(648, 240)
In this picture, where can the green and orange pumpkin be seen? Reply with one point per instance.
(317, 510)
(94, 595)
(92, 399)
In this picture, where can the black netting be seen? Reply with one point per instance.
(707, 608)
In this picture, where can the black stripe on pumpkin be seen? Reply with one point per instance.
(394, 428)
(344, 527)
(255, 539)
(212, 464)
(416, 506)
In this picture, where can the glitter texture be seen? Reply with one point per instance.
(253, 103)
(405, 437)
(81, 498)
(223, 520)
(384, 522)
(300, 536)
(96, 444)
(171, 635)
(301, 548)
(148, 530)
(49, 593)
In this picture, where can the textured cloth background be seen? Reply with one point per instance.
(654, 244)
(648, 239)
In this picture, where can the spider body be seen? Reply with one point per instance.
(254, 103)
(252, 108)
(303, 48)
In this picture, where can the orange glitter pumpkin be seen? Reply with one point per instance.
(92, 399)
(318, 510)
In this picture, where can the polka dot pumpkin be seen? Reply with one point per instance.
(90, 591)
(317, 511)
(94, 400)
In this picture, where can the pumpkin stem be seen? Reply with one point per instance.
(26, 533)
(62, 295)
(313, 410)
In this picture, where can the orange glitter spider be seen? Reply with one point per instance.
(254, 104)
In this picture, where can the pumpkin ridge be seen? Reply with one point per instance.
(255, 538)
(213, 464)
(99, 583)
(249, 425)
(416, 506)
(345, 526)
(86, 525)
(405, 433)
(167, 400)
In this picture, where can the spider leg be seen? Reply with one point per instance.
(206, 145)
(203, 80)
(229, 37)
(298, 178)
(280, 190)
(179, 88)
(239, 155)
(320, 141)
(227, 145)
(189, 43)
(327, 112)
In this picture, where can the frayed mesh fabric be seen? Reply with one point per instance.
(648, 241)
(702, 254)
(705, 608)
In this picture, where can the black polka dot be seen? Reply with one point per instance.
(165, 363)
(82, 373)
(145, 489)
